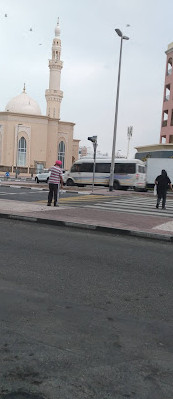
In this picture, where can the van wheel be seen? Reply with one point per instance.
(36, 179)
(116, 185)
(70, 182)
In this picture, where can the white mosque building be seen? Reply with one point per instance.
(30, 141)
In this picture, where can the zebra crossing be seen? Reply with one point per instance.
(139, 205)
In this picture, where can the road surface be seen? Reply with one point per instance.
(84, 315)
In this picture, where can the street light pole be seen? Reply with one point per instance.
(93, 139)
(111, 181)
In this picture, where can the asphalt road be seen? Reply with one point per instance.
(84, 315)
(26, 194)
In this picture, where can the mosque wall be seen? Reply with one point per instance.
(38, 144)
(43, 136)
(66, 130)
(75, 150)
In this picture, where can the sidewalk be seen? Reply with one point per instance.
(98, 220)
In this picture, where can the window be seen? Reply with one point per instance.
(126, 168)
(61, 153)
(165, 118)
(141, 169)
(83, 167)
(167, 92)
(169, 66)
(75, 168)
(103, 167)
(21, 152)
(86, 167)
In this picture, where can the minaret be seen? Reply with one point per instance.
(54, 95)
(166, 133)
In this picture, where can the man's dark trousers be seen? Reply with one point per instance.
(53, 190)
(161, 195)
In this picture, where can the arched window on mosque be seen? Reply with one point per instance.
(61, 153)
(22, 152)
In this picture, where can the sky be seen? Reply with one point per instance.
(90, 55)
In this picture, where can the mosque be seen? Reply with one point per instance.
(30, 141)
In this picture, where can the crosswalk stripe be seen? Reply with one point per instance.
(137, 205)
(126, 205)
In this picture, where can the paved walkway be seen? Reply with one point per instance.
(93, 219)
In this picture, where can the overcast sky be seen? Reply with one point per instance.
(90, 52)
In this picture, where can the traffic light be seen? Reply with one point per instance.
(93, 139)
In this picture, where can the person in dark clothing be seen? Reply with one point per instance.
(162, 182)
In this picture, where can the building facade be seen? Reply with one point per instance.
(165, 147)
(154, 151)
(30, 141)
(166, 133)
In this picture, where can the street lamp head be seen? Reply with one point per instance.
(119, 33)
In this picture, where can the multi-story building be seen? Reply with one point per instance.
(166, 133)
(165, 148)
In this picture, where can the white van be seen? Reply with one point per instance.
(127, 173)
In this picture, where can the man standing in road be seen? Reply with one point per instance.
(163, 182)
(54, 180)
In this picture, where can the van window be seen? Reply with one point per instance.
(126, 168)
(141, 169)
(86, 167)
(74, 168)
(82, 167)
(103, 167)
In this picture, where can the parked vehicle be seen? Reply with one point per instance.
(43, 176)
(154, 167)
(127, 173)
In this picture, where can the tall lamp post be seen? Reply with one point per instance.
(93, 139)
(111, 181)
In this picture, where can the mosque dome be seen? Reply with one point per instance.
(23, 104)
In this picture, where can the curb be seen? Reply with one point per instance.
(40, 188)
(89, 227)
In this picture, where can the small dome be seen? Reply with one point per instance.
(23, 104)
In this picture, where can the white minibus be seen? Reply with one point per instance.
(127, 173)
